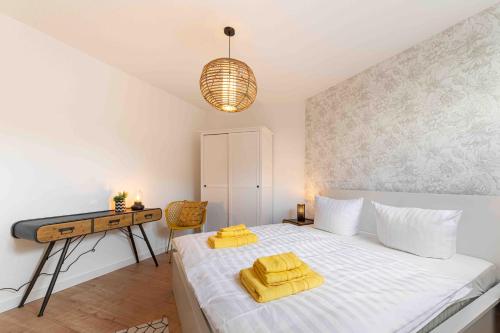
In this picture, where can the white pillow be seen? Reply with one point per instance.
(337, 216)
(424, 232)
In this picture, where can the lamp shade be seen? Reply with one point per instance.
(228, 84)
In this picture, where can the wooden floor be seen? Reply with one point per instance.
(124, 298)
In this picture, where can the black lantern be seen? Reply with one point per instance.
(301, 212)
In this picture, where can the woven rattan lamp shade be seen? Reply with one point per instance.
(228, 84)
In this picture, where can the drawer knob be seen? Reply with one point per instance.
(148, 216)
(66, 230)
(113, 222)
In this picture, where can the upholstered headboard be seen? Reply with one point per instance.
(478, 230)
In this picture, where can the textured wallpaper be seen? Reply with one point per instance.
(426, 120)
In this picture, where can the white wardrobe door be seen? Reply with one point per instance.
(215, 180)
(244, 178)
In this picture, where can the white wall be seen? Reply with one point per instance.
(286, 120)
(73, 131)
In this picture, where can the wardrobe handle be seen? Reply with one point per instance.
(204, 185)
(258, 186)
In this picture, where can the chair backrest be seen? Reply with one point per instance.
(204, 218)
(173, 211)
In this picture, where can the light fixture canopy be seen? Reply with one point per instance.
(228, 84)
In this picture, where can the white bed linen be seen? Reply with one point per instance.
(368, 287)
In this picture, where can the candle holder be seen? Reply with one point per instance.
(137, 202)
(301, 212)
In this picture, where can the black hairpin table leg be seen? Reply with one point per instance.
(37, 273)
(54, 277)
(131, 236)
(149, 245)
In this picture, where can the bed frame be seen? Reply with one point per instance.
(478, 236)
(192, 318)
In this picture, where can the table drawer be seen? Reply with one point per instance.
(52, 232)
(147, 216)
(112, 222)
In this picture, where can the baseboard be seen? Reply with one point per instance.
(63, 283)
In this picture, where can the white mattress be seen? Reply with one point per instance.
(368, 287)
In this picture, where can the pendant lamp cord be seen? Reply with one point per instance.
(229, 47)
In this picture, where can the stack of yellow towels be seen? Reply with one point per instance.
(278, 276)
(234, 236)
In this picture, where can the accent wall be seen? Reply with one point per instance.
(426, 120)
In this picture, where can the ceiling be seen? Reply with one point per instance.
(295, 47)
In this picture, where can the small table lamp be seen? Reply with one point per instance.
(301, 212)
(137, 202)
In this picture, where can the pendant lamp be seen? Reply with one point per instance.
(228, 84)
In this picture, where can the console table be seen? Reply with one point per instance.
(52, 229)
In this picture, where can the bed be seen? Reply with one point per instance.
(368, 287)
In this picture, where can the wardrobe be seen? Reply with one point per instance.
(237, 176)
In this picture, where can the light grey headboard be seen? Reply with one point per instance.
(478, 230)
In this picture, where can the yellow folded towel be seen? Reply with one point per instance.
(234, 227)
(217, 243)
(233, 233)
(278, 263)
(262, 293)
(274, 279)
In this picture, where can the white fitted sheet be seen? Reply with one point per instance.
(368, 287)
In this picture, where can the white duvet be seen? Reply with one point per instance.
(365, 289)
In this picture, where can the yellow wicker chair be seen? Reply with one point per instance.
(172, 213)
